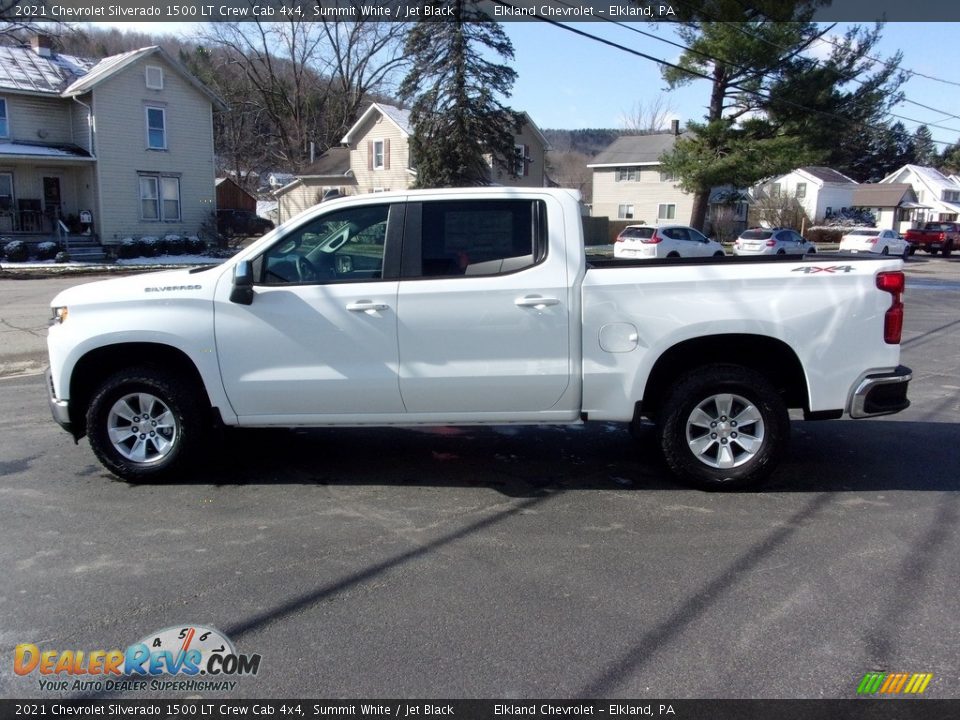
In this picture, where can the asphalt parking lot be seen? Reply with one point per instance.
(500, 562)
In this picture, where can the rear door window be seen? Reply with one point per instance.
(474, 237)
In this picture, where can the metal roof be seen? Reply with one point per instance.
(23, 70)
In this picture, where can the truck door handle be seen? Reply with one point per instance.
(536, 302)
(366, 306)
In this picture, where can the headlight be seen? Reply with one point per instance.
(59, 315)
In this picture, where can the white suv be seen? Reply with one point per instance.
(666, 241)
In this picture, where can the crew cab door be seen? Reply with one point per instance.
(483, 307)
(320, 335)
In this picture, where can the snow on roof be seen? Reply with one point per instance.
(400, 117)
(827, 174)
(20, 149)
(23, 70)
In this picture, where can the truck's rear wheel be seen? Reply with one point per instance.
(144, 423)
(947, 249)
(723, 427)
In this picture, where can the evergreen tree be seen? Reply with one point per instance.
(950, 159)
(924, 149)
(800, 111)
(458, 115)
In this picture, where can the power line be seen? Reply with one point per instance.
(704, 76)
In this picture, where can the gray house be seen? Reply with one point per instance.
(121, 147)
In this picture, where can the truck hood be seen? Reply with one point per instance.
(162, 286)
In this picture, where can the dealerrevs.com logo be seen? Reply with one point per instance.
(182, 658)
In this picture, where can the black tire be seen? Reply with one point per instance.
(763, 416)
(886, 250)
(947, 249)
(177, 405)
(673, 255)
(781, 251)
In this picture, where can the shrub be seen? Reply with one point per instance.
(46, 250)
(150, 246)
(127, 249)
(16, 251)
(174, 245)
(194, 245)
(62, 257)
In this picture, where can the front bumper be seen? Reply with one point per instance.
(881, 393)
(60, 409)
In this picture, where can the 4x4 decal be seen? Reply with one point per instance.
(818, 269)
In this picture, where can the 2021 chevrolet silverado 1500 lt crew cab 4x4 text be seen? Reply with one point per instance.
(475, 306)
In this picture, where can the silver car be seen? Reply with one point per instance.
(772, 241)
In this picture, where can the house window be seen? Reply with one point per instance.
(801, 190)
(154, 77)
(628, 174)
(775, 190)
(667, 176)
(156, 128)
(625, 212)
(520, 166)
(666, 211)
(159, 198)
(378, 154)
(951, 196)
(4, 123)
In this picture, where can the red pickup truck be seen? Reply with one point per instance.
(934, 236)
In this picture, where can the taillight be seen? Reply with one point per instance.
(893, 283)
(943, 236)
(771, 243)
(652, 240)
(873, 241)
(620, 237)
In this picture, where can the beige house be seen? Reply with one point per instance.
(628, 183)
(379, 144)
(121, 147)
(329, 175)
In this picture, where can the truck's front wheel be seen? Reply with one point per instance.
(144, 423)
(723, 427)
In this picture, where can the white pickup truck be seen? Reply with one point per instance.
(475, 306)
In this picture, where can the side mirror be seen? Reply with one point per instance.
(242, 292)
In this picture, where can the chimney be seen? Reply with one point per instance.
(42, 45)
(675, 127)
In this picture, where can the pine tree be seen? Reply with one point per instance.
(799, 110)
(460, 122)
(924, 149)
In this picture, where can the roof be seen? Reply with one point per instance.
(23, 70)
(397, 116)
(880, 195)
(932, 178)
(827, 175)
(636, 150)
(335, 161)
(29, 150)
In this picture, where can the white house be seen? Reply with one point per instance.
(938, 193)
(820, 191)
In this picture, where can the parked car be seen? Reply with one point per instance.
(772, 241)
(935, 237)
(241, 222)
(665, 241)
(874, 240)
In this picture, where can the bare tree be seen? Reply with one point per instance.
(647, 117)
(780, 210)
(308, 78)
